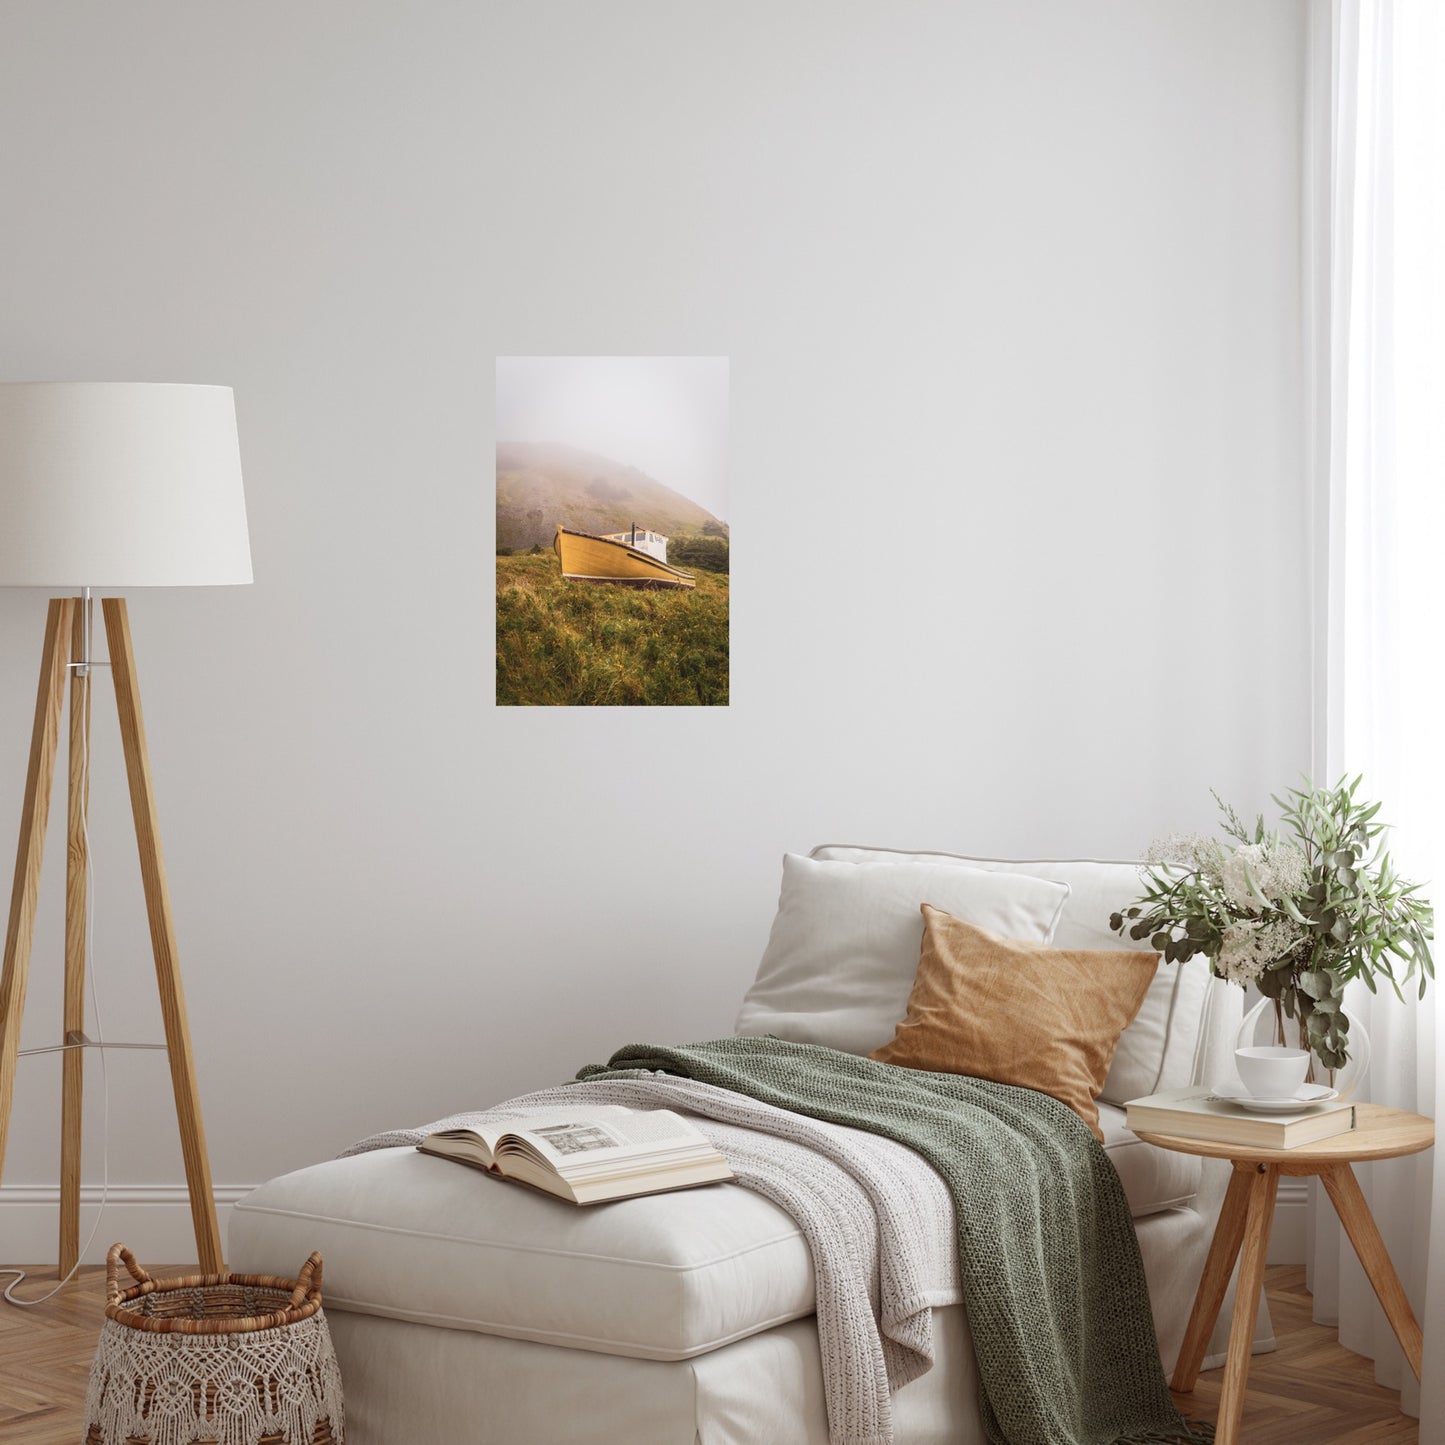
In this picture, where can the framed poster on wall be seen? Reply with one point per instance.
(612, 536)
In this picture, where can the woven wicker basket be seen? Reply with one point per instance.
(239, 1359)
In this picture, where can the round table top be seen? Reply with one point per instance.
(1379, 1133)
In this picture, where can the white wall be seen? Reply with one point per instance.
(1011, 295)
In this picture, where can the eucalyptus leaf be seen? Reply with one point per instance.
(1291, 908)
(1255, 891)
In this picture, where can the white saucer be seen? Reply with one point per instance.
(1308, 1094)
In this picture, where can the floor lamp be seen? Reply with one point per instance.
(108, 486)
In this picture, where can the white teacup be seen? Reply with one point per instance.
(1270, 1072)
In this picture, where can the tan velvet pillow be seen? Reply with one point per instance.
(1018, 1013)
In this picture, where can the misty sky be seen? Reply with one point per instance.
(666, 415)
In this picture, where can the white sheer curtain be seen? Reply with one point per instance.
(1375, 293)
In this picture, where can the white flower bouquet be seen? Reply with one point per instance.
(1298, 916)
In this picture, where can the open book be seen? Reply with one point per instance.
(588, 1154)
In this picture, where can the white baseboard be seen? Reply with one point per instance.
(152, 1220)
(1287, 1238)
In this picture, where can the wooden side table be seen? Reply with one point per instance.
(1245, 1219)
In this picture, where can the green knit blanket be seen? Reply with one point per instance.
(1052, 1278)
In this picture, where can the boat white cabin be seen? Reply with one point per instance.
(653, 543)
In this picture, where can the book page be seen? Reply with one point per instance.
(653, 1126)
(598, 1138)
(490, 1133)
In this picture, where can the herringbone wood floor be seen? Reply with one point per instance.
(1310, 1390)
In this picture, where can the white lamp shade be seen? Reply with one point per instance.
(120, 484)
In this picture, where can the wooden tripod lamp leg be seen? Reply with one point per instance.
(77, 899)
(34, 813)
(163, 935)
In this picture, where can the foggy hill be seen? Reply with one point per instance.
(541, 484)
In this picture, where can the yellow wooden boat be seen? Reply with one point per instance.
(636, 559)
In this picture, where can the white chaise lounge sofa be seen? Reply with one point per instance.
(463, 1310)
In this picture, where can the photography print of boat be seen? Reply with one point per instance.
(612, 541)
(635, 559)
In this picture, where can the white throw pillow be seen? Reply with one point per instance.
(840, 961)
(1157, 1051)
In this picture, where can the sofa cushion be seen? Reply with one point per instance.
(662, 1277)
(1018, 1013)
(843, 950)
(409, 1236)
(1158, 1050)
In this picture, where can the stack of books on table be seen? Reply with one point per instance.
(1200, 1113)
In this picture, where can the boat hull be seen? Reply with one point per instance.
(586, 558)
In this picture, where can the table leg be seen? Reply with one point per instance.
(1349, 1201)
(1263, 1185)
(1214, 1281)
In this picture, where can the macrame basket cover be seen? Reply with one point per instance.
(231, 1359)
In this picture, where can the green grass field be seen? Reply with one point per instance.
(569, 644)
